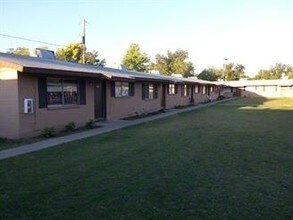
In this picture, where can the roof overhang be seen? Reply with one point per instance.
(33, 70)
(11, 65)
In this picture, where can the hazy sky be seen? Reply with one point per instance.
(254, 33)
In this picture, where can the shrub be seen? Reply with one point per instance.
(70, 126)
(90, 124)
(48, 132)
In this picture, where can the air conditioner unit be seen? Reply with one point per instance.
(28, 106)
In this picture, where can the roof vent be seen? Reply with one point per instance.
(43, 53)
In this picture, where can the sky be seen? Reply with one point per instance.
(254, 33)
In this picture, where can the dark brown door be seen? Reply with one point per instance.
(192, 98)
(100, 99)
(163, 101)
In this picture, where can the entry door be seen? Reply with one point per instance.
(100, 99)
(192, 91)
(163, 101)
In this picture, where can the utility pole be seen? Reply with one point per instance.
(83, 41)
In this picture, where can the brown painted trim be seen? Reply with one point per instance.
(150, 80)
(120, 79)
(38, 71)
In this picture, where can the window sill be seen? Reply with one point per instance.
(122, 97)
(148, 100)
(60, 107)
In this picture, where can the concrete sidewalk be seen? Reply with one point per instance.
(106, 126)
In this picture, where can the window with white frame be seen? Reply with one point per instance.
(203, 89)
(172, 89)
(185, 90)
(61, 92)
(211, 89)
(149, 91)
(196, 89)
(121, 89)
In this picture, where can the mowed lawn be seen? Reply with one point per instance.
(233, 160)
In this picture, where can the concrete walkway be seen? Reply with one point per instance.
(106, 126)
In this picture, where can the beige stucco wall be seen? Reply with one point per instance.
(9, 112)
(286, 91)
(32, 124)
(121, 107)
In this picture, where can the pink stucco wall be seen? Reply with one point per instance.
(9, 111)
(120, 107)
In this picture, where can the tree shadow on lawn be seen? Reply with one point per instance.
(239, 172)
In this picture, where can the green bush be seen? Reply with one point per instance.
(70, 126)
(48, 132)
(90, 124)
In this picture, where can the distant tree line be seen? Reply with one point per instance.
(229, 72)
(167, 64)
(176, 62)
(70, 53)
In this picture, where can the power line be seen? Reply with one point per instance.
(32, 40)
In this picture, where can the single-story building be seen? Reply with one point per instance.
(262, 88)
(36, 93)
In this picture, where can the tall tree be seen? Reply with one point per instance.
(174, 63)
(278, 71)
(136, 60)
(210, 74)
(263, 74)
(73, 53)
(233, 72)
(23, 51)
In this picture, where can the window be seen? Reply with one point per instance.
(264, 88)
(211, 89)
(172, 89)
(61, 92)
(121, 89)
(185, 91)
(203, 89)
(196, 89)
(149, 91)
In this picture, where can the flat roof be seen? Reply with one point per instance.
(271, 82)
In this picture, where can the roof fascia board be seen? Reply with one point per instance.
(11, 65)
(59, 72)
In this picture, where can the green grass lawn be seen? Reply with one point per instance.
(233, 160)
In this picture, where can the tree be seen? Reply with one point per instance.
(263, 74)
(73, 53)
(135, 60)
(278, 71)
(210, 74)
(23, 51)
(233, 72)
(174, 63)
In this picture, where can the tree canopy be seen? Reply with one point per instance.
(73, 53)
(23, 51)
(278, 71)
(233, 72)
(210, 74)
(136, 60)
(174, 63)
